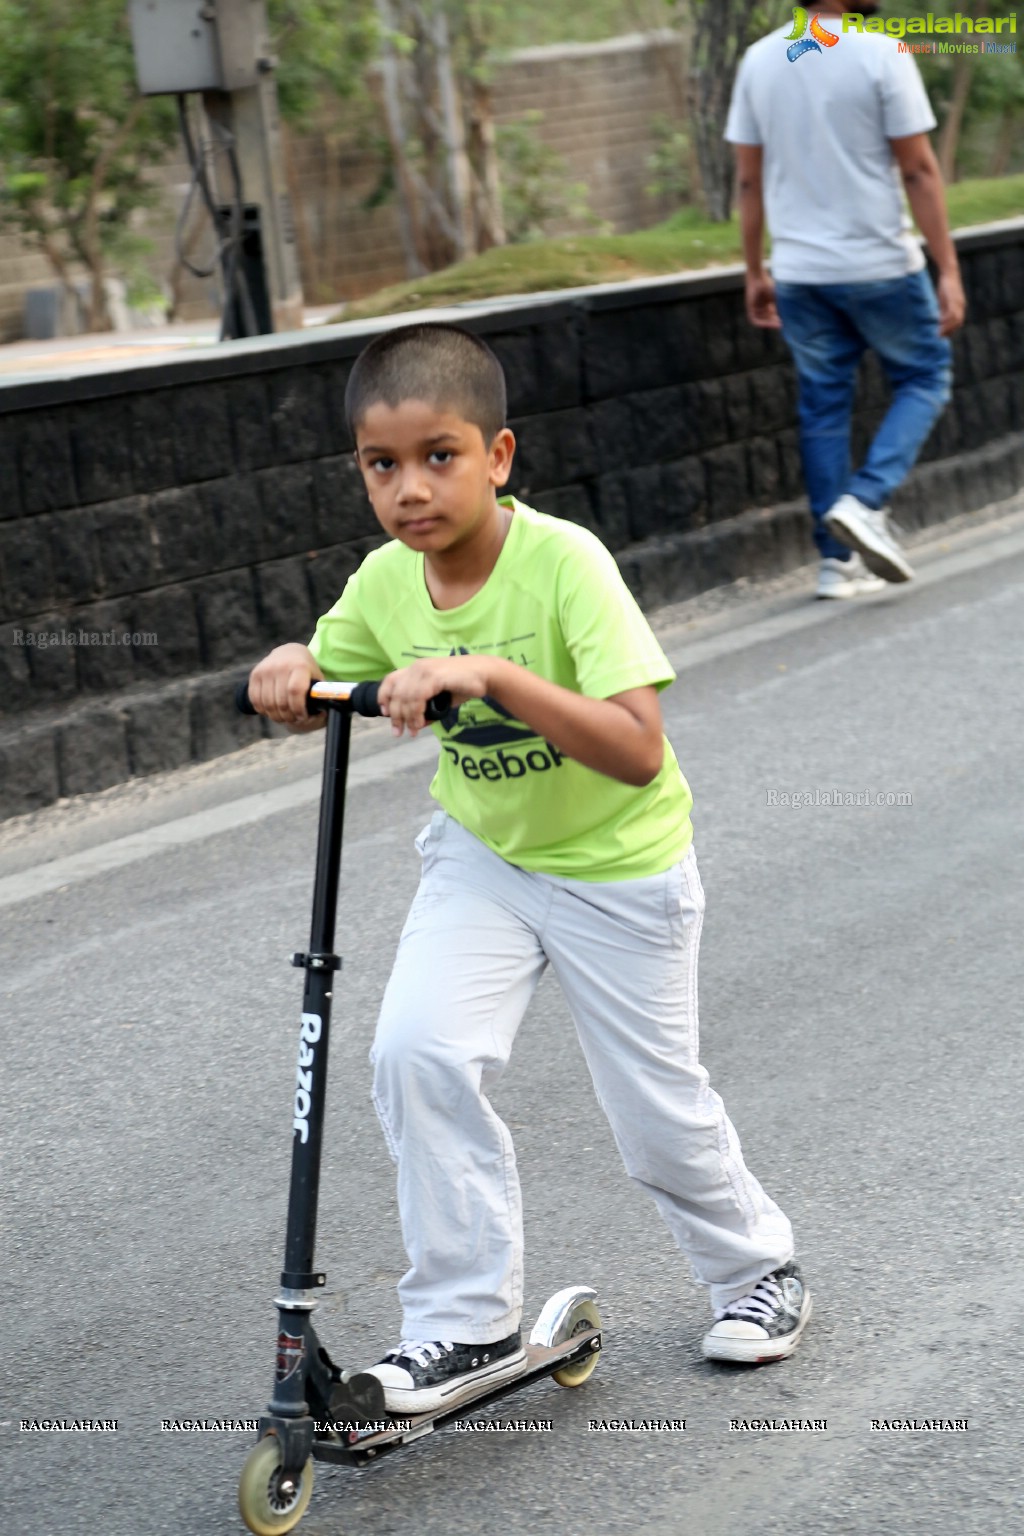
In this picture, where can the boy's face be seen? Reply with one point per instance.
(430, 476)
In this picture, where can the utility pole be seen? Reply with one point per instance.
(221, 49)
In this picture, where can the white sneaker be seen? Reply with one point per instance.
(847, 578)
(870, 534)
(766, 1325)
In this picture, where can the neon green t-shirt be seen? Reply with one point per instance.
(557, 604)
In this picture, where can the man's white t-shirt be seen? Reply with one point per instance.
(832, 190)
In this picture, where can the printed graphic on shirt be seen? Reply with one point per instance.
(490, 729)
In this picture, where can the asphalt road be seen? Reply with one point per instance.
(860, 996)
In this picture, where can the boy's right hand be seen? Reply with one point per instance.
(279, 684)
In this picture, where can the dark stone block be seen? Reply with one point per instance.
(15, 677)
(101, 444)
(226, 611)
(92, 751)
(189, 538)
(610, 500)
(979, 350)
(702, 416)
(944, 439)
(571, 503)
(963, 360)
(106, 662)
(10, 493)
(664, 427)
(159, 732)
(152, 441)
(970, 417)
(611, 435)
(26, 575)
(684, 340)
(516, 353)
(52, 645)
(334, 378)
(559, 364)
(327, 574)
(740, 406)
(298, 412)
(764, 475)
(720, 316)
(1013, 358)
(728, 490)
(571, 446)
(288, 525)
(233, 516)
(629, 350)
(125, 545)
(44, 457)
(684, 496)
(342, 507)
(203, 442)
(166, 622)
(1011, 268)
(284, 600)
(995, 402)
(251, 424)
(73, 556)
(28, 770)
(646, 507)
(791, 475)
(551, 449)
(774, 396)
(217, 726)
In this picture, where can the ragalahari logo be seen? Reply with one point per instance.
(959, 34)
(799, 44)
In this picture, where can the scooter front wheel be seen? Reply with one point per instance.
(268, 1502)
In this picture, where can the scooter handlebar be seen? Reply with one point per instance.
(357, 698)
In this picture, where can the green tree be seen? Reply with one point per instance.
(76, 139)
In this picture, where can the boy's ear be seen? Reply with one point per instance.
(502, 453)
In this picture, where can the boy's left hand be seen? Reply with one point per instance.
(404, 694)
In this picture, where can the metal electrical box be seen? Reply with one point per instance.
(198, 45)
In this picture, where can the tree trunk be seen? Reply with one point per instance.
(721, 31)
(963, 77)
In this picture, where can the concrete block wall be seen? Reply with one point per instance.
(162, 526)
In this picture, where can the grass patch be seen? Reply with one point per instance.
(684, 243)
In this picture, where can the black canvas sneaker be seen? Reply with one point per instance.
(766, 1324)
(426, 1378)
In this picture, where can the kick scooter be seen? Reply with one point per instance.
(319, 1412)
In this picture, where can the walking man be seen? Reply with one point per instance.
(827, 122)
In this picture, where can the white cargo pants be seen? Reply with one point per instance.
(477, 939)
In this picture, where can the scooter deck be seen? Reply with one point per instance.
(355, 1447)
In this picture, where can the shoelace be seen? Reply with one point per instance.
(762, 1301)
(419, 1351)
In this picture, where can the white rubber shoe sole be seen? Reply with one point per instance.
(863, 529)
(746, 1344)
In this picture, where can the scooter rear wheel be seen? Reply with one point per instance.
(267, 1507)
(583, 1317)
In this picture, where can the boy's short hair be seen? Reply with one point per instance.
(448, 367)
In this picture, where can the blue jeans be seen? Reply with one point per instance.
(828, 327)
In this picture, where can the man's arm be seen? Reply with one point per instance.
(760, 290)
(927, 198)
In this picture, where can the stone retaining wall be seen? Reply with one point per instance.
(161, 526)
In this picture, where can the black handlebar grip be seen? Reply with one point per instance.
(242, 702)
